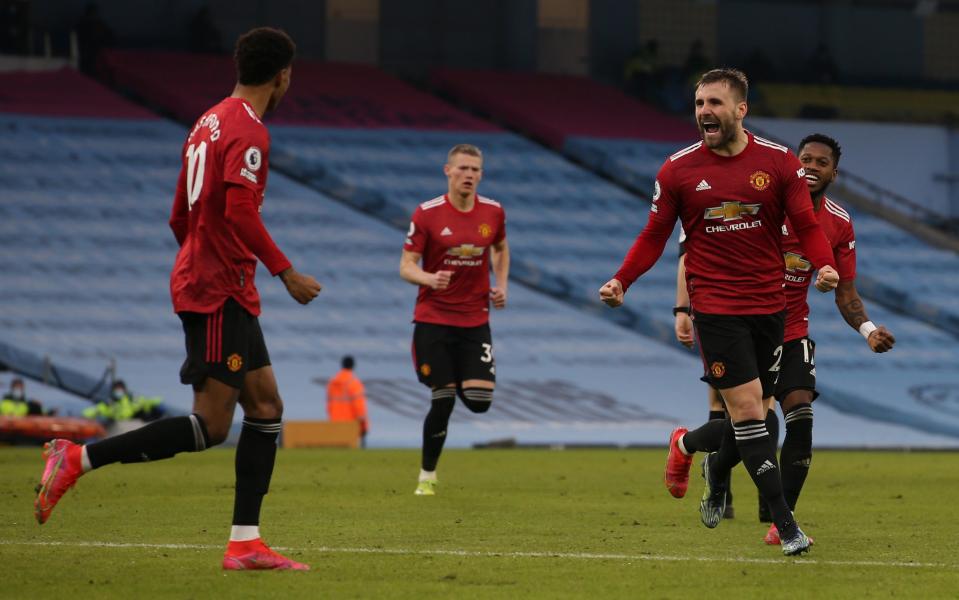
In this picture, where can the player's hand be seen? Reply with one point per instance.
(440, 280)
(881, 340)
(827, 279)
(684, 329)
(612, 293)
(498, 296)
(303, 288)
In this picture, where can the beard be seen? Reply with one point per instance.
(727, 133)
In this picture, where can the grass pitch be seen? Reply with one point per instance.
(506, 524)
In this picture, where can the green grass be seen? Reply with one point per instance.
(328, 506)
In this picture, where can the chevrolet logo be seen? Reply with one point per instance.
(466, 251)
(731, 211)
(795, 262)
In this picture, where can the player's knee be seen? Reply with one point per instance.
(477, 400)
(217, 430)
(443, 400)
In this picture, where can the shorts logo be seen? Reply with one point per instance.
(760, 180)
(485, 230)
(718, 369)
(425, 370)
(234, 362)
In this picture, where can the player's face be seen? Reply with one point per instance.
(820, 166)
(282, 85)
(719, 114)
(464, 172)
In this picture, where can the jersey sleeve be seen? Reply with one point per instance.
(799, 210)
(651, 242)
(501, 230)
(180, 214)
(845, 253)
(417, 235)
(245, 162)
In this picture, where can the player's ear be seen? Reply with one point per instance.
(741, 109)
(446, 169)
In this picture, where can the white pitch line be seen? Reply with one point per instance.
(494, 554)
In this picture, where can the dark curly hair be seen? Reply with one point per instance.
(261, 53)
(826, 141)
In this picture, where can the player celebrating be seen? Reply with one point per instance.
(732, 191)
(216, 221)
(796, 388)
(457, 236)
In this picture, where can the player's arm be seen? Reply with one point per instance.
(243, 216)
(798, 205)
(684, 324)
(180, 215)
(853, 310)
(647, 248)
(850, 305)
(499, 257)
(411, 271)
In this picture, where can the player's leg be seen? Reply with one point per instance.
(795, 390)
(431, 357)
(743, 356)
(475, 367)
(208, 425)
(684, 443)
(255, 458)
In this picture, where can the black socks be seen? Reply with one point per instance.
(255, 456)
(435, 425)
(158, 440)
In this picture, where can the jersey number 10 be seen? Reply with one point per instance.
(195, 165)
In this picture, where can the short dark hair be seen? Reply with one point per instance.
(261, 53)
(825, 140)
(734, 78)
(348, 362)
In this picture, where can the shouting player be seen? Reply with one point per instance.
(216, 221)
(733, 191)
(796, 388)
(457, 236)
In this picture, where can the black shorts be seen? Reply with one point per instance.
(443, 354)
(738, 349)
(797, 370)
(223, 345)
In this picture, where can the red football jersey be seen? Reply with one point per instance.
(837, 225)
(452, 240)
(228, 145)
(732, 210)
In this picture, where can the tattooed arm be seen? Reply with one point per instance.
(853, 310)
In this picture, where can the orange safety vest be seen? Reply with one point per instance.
(346, 399)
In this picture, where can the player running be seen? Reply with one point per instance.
(733, 191)
(216, 221)
(457, 236)
(796, 388)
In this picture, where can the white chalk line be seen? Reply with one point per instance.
(508, 554)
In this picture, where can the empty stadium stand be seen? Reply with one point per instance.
(83, 228)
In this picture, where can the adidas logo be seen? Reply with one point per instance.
(703, 186)
(446, 231)
(766, 466)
